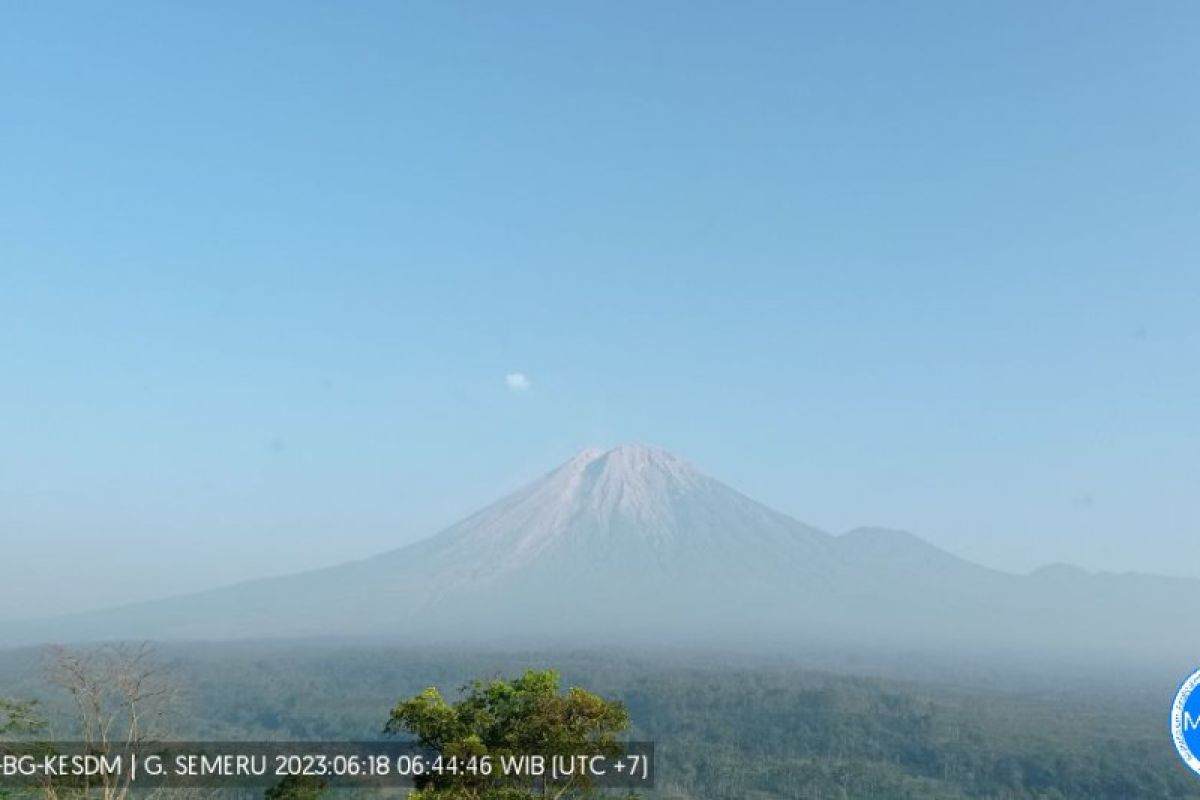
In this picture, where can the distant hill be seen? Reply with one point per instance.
(633, 545)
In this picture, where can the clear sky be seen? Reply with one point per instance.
(285, 284)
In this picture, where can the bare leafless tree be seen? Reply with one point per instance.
(123, 699)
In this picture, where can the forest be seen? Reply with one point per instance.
(726, 730)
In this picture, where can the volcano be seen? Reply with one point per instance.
(634, 545)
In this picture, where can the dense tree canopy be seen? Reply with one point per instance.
(721, 732)
(18, 718)
(525, 716)
(297, 787)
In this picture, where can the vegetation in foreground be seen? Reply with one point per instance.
(745, 733)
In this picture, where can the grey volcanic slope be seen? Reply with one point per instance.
(634, 545)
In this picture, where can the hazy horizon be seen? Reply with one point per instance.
(628, 489)
(285, 287)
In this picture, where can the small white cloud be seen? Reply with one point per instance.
(517, 382)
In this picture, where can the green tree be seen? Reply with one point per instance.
(297, 787)
(503, 718)
(18, 718)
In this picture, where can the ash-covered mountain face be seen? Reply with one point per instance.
(622, 514)
(634, 546)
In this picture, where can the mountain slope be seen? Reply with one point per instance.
(634, 545)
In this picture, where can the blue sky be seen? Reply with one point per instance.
(265, 270)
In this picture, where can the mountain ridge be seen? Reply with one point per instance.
(634, 544)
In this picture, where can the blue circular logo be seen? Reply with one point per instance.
(1185, 722)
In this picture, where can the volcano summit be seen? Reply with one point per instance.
(634, 545)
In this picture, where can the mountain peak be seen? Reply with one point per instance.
(626, 471)
(612, 503)
(632, 479)
(631, 544)
(631, 453)
(632, 462)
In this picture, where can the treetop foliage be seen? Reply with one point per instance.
(523, 716)
(19, 718)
